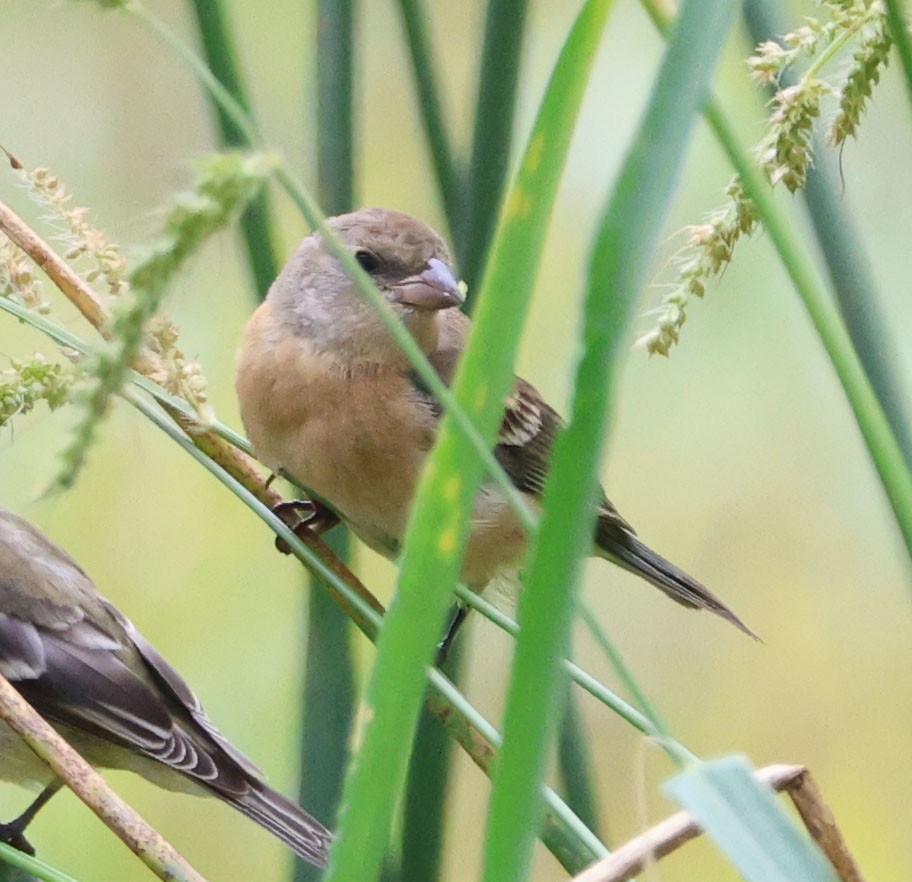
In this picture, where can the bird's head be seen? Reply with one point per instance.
(406, 260)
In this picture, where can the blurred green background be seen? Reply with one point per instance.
(738, 457)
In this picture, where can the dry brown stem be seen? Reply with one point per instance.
(669, 835)
(91, 788)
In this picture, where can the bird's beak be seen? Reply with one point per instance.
(435, 287)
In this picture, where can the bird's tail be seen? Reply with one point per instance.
(626, 550)
(304, 835)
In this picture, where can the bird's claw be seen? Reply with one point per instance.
(303, 515)
(12, 834)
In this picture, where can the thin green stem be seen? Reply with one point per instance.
(875, 429)
(656, 723)
(233, 109)
(832, 50)
(40, 870)
(256, 221)
(66, 338)
(414, 20)
(366, 618)
(581, 678)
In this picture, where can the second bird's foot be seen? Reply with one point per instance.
(12, 834)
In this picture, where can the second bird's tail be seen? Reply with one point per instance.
(304, 835)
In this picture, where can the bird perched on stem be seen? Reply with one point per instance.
(328, 399)
(83, 666)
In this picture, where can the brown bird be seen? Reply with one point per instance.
(328, 399)
(84, 667)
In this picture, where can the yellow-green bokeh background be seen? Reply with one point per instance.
(738, 458)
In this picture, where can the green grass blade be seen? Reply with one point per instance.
(431, 555)
(425, 77)
(743, 817)
(494, 119)
(620, 262)
(256, 221)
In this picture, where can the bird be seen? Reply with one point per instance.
(87, 670)
(328, 399)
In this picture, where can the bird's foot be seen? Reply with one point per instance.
(13, 834)
(304, 515)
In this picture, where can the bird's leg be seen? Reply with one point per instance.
(13, 833)
(304, 514)
(443, 647)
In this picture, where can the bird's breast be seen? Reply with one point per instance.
(357, 439)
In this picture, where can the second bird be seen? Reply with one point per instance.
(329, 399)
(81, 664)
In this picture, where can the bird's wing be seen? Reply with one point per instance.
(99, 683)
(177, 690)
(129, 696)
(528, 428)
(81, 663)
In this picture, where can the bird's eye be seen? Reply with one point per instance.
(369, 262)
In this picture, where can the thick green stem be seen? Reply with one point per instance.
(335, 119)
(329, 697)
(494, 118)
(423, 72)
(899, 31)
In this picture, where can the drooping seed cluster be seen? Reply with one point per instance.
(785, 152)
